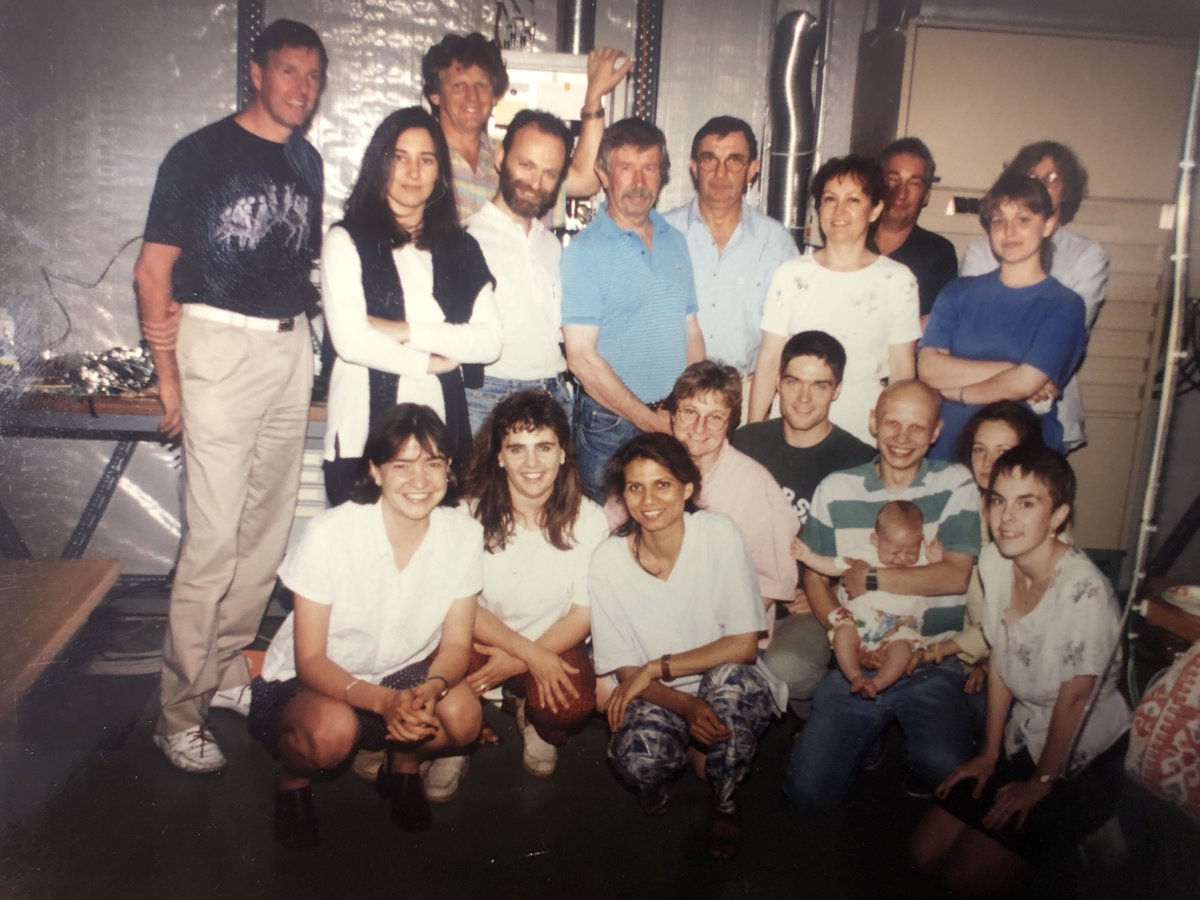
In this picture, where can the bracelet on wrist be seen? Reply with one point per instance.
(445, 686)
(586, 114)
(665, 664)
(346, 689)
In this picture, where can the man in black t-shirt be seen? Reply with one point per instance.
(800, 449)
(223, 281)
(908, 169)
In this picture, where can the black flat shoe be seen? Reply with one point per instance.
(410, 809)
(296, 819)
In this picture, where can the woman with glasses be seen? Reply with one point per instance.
(867, 301)
(407, 294)
(1077, 262)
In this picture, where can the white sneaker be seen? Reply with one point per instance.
(194, 750)
(444, 776)
(540, 756)
(236, 698)
(366, 764)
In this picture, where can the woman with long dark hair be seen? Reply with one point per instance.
(377, 646)
(539, 531)
(407, 295)
(676, 615)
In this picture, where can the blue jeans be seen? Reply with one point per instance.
(598, 435)
(482, 400)
(930, 706)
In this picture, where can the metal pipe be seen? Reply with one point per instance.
(793, 119)
(576, 26)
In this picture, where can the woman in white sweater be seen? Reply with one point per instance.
(407, 295)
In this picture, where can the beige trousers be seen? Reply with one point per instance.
(245, 412)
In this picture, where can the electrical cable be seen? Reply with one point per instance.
(50, 277)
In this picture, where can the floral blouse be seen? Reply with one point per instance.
(1071, 632)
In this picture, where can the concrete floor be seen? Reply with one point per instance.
(90, 809)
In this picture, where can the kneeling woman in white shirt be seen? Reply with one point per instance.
(1050, 767)
(378, 644)
(407, 295)
(676, 614)
(539, 531)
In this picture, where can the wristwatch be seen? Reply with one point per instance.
(872, 579)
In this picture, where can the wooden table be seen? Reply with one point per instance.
(42, 605)
(127, 419)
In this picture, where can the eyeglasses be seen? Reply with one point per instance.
(734, 164)
(688, 416)
(1048, 179)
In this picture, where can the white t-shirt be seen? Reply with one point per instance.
(711, 592)
(530, 584)
(1071, 632)
(867, 310)
(361, 347)
(381, 619)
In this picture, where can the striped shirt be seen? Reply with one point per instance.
(844, 508)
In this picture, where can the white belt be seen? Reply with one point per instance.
(228, 317)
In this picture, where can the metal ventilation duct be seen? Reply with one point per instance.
(576, 26)
(793, 119)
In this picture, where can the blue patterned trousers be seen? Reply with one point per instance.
(650, 746)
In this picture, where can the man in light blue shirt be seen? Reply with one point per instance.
(629, 306)
(735, 249)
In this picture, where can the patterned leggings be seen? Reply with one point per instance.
(650, 746)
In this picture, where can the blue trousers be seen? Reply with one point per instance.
(482, 400)
(650, 746)
(929, 705)
(598, 435)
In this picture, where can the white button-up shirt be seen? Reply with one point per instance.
(528, 294)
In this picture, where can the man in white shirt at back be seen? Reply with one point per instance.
(523, 257)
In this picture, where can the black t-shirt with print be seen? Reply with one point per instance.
(246, 214)
(800, 469)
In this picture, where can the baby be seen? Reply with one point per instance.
(878, 620)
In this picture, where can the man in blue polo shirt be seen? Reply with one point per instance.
(629, 303)
(735, 249)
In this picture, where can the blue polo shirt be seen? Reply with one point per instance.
(638, 298)
(731, 285)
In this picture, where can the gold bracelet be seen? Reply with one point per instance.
(586, 114)
(445, 690)
(346, 689)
